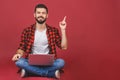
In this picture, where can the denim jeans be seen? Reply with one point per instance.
(47, 71)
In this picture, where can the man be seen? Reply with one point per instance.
(41, 38)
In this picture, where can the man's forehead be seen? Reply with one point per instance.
(40, 9)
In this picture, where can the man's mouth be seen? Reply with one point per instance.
(41, 17)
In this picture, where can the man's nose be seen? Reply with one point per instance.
(40, 14)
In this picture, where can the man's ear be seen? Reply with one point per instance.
(47, 15)
(34, 14)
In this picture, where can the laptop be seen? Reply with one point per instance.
(41, 59)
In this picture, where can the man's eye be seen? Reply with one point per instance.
(38, 12)
(43, 13)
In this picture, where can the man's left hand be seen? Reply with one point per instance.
(63, 24)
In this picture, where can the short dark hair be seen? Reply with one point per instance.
(41, 6)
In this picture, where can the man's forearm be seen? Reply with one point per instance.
(64, 39)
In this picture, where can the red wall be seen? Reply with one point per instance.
(93, 34)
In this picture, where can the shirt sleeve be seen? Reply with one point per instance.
(22, 44)
(57, 38)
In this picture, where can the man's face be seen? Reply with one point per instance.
(41, 15)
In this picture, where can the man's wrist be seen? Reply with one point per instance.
(19, 51)
(19, 54)
(63, 29)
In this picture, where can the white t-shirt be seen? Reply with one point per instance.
(40, 45)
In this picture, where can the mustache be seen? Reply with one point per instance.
(40, 17)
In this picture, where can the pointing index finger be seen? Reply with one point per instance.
(64, 19)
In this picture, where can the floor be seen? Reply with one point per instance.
(9, 72)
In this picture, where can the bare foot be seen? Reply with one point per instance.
(57, 74)
(22, 73)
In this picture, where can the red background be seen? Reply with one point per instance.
(93, 36)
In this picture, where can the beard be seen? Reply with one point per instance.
(40, 21)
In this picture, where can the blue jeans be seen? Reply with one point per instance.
(48, 71)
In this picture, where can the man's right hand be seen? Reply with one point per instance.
(16, 57)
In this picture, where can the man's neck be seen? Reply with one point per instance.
(40, 27)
